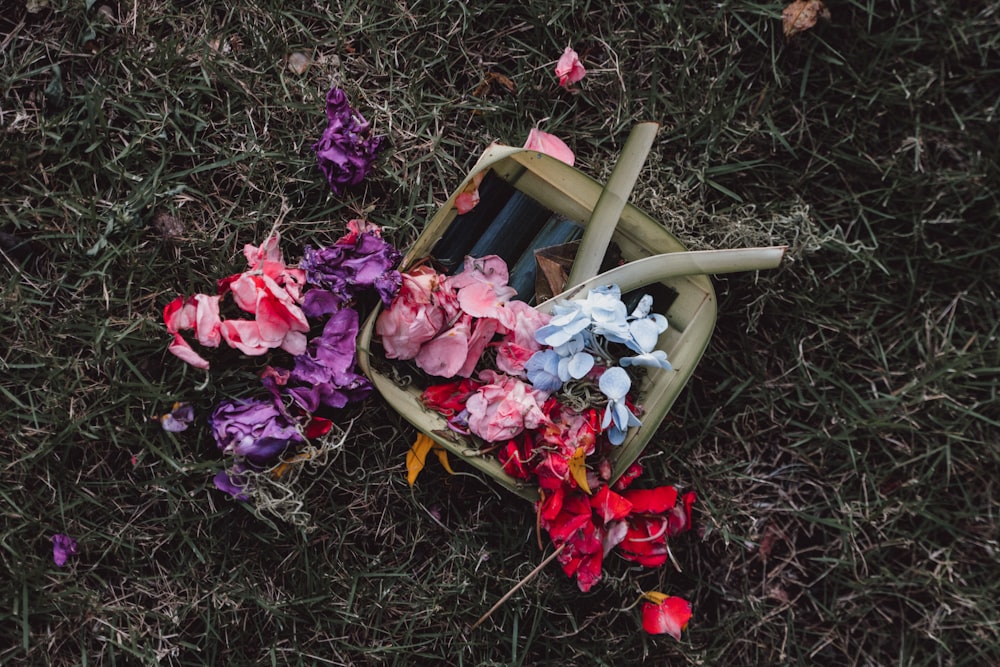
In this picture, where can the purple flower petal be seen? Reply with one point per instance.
(345, 152)
(255, 430)
(178, 419)
(63, 546)
(231, 482)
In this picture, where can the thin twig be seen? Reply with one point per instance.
(517, 586)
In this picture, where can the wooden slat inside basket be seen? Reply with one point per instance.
(571, 195)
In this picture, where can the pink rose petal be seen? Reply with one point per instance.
(569, 69)
(551, 145)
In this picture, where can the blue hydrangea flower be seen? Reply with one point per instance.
(615, 384)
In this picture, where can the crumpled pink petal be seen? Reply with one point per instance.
(268, 251)
(490, 269)
(245, 336)
(569, 69)
(551, 145)
(207, 322)
(482, 333)
(445, 354)
(181, 349)
(424, 305)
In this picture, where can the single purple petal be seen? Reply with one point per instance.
(63, 546)
(387, 285)
(233, 483)
(178, 419)
(320, 302)
(335, 348)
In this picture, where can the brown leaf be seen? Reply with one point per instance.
(801, 15)
(491, 78)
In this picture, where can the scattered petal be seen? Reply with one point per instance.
(551, 145)
(63, 546)
(669, 616)
(179, 418)
(569, 69)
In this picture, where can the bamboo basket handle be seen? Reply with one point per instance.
(649, 270)
(611, 203)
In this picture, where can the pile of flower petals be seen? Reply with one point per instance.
(444, 323)
(288, 304)
(269, 290)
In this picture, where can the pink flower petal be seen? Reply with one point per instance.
(551, 145)
(180, 314)
(490, 269)
(244, 335)
(269, 251)
(245, 289)
(445, 354)
(207, 322)
(569, 69)
(181, 349)
(466, 201)
(482, 333)
(294, 343)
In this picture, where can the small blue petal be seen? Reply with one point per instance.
(580, 364)
(615, 383)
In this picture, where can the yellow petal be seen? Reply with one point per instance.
(578, 469)
(280, 469)
(442, 455)
(417, 456)
(655, 597)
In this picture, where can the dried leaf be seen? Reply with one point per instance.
(279, 470)
(801, 15)
(299, 62)
(491, 78)
(578, 469)
(553, 265)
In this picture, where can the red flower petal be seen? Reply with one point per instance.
(609, 505)
(652, 501)
(628, 476)
(669, 617)
(679, 519)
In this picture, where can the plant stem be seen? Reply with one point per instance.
(517, 586)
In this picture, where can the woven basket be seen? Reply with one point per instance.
(566, 197)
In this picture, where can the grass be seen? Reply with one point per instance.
(841, 431)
